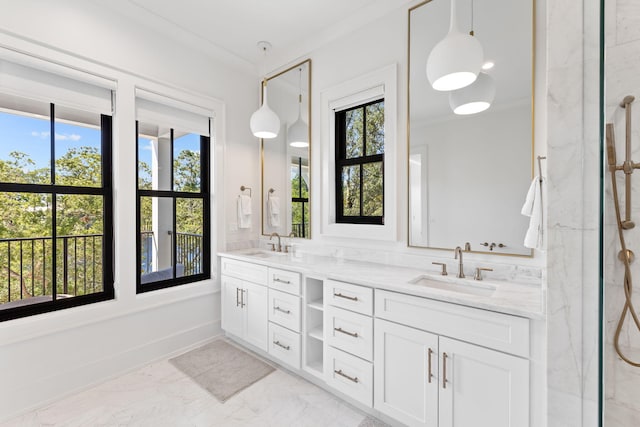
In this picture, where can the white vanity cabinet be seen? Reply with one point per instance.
(423, 378)
(244, 301)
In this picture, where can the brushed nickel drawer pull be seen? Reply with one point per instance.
(339, 295)
(429, 361)
(444, 370)
(282, 310)
(342, 374)
(279, 344)
(352, 334)
(286, 282)
(237, 297)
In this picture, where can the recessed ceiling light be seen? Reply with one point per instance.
(488, 65)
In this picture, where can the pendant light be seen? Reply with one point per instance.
(298, 132)
(456, 60)
(264, 122)
(474, 98)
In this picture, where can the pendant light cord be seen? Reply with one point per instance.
(471, 33)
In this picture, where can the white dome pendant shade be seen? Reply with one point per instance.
(299, 132)
(264, 122)
(474, 98)
(456, 60)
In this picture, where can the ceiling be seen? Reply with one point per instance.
(234, 27)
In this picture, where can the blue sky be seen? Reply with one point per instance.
(32, 136)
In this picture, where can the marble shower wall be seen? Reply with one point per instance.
(573, 198)
(622, 381)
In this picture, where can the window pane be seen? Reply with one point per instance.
(300, 219)
(154, 157)
(186, 162)
(25, 248)
(189, 222)
(375, 128)
(156, 234)
(145, 148)
(372, 189)
(351, 190)
(354, 133)
(25, 148)
(78, 148)
(80, 243)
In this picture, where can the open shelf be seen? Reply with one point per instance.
(316, 333)
(316, 304)
(315, 367)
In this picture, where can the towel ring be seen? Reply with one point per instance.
(243, 188)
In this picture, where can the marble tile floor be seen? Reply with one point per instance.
(160, 395)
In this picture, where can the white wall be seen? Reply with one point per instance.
(47, 356)
(622, 381)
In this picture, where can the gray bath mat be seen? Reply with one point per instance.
(221, 368)
(372, 422)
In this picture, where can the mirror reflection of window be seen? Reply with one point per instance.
(299, 197)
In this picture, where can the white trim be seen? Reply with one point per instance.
(377, 84)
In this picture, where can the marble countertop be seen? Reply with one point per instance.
(524, 300)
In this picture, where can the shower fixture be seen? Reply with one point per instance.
(625, 255)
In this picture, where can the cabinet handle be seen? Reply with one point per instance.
(444, 370)
(430, 375)
(286, 282)
(352, 334)
(279, 344)
(237, 297)
(242, 303)
(342, 374)
(339, 295)
(282, 310)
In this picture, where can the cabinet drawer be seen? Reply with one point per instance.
(352, 297)
(487, 328)
(244, 270)
(284, 345)
(283, 280)
(349, 331)
(284, 309)
(350, 375)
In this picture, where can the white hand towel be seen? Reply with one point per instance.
(244, 220)
(246, 204)
(535, 236)
(273, 208)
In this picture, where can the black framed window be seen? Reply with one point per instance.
(360, 164)
(56, 218)
(300, 223)
(172, 207)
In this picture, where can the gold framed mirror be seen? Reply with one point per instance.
(468, 175)
(286, 159)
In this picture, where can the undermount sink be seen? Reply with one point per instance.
(264, 254)
(470, 288)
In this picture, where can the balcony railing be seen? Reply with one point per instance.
(26, 264)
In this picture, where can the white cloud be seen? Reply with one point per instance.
(42, 135)
(67, 137)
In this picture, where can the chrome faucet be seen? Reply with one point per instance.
(278, 236)
(458, 251)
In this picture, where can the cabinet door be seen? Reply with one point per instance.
(255, 305)
(406, 374)
(232, 311)
(484, 388)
